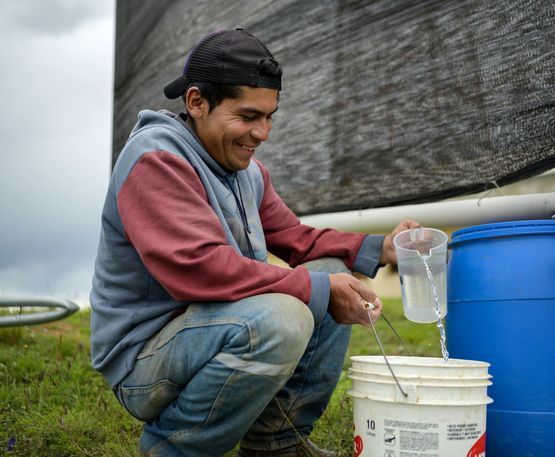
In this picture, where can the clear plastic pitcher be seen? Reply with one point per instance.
(417, 249)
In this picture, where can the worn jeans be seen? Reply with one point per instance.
(255, 370)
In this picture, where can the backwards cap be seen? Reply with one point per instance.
(233, 57)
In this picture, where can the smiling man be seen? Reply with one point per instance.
(199, 336)
(233, 130)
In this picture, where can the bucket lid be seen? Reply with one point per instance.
(501, 229)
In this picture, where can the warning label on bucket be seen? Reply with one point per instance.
(457, 432)
(411, 425)
(414, 439)
(420, 431)
(412, 436)
(418, 441)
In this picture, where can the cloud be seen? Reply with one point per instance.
(52, 17)
(55, 125)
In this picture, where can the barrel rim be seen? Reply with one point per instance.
(503, 229)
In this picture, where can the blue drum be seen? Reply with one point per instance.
(501, 309)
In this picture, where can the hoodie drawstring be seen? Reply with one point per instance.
(242, 212)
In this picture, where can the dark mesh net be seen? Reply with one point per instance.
(390, 102)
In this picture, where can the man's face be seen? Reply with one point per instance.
(236, 127)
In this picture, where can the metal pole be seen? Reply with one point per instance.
(450, 213)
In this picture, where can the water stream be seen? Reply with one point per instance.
(440, 325)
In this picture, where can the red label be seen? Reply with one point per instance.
(358, 445)
(479, 448)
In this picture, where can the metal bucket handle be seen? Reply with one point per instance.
(369, 306)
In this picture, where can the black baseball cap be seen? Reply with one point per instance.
(234, 57)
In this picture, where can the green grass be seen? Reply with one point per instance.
(52, 403)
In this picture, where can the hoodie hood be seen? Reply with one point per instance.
(234, 197)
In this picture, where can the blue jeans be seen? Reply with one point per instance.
(225, 372)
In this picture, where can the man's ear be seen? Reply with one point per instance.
(195, 104)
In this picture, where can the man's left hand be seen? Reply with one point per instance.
(388, 250)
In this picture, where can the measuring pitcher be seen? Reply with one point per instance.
(422, 261)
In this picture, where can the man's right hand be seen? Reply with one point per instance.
(347, 298)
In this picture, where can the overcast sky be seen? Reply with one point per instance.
(56, 106)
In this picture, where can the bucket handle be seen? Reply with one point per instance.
(369, 307)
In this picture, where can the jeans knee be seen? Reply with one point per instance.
(286, 328)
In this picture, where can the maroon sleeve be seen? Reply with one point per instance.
(296, 243)
(167, 218)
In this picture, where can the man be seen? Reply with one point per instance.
(197, 333)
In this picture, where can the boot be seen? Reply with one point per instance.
(303, 449)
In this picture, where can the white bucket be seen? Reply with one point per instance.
(443, 414)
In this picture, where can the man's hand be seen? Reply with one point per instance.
(348, 296)
(388, 250)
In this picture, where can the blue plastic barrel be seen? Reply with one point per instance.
(501, 309)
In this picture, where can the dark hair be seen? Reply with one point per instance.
(215, 93)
